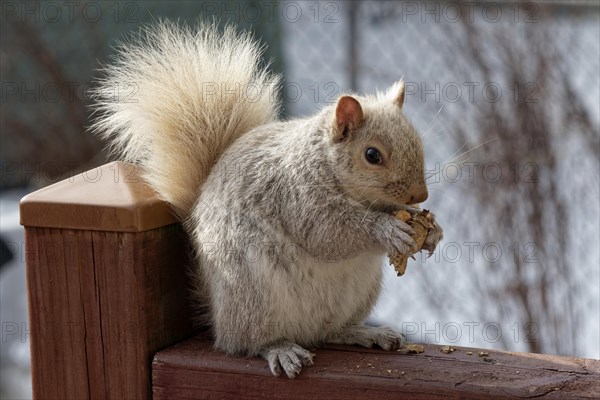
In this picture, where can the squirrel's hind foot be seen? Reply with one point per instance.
(287, 357)
(368, 336)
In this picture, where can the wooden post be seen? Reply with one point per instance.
(106, 284)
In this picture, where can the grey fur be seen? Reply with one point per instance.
(290, 223)
(296, 200)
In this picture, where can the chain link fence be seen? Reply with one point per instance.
(504, 93)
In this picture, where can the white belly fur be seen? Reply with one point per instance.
(322, 302)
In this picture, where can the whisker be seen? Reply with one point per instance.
(367, 211)
(446, 161)
(439, 133)
(432, 123)
(358, 203)
(470, 150)
(452, 158)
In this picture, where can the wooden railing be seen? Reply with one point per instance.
(106, 275)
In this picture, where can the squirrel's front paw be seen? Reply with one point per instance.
(287, 357)
(395, 236)
(368, 336)
(434, 236)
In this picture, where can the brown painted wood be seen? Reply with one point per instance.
(193, 370)
(101, 304)
(112, 197)
(102, 301)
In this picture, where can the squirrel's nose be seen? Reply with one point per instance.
(418, 194)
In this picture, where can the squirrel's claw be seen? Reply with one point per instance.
(434, 236)
(287, 357)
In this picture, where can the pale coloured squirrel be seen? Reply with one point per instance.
(290, 220)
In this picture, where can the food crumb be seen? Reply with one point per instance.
(389, 371)
(483, 354)
(411, 348)
(447, 349)
(469, 353)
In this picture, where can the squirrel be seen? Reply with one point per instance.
(290, 221)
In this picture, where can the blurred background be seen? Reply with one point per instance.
(505, 94)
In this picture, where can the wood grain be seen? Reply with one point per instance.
(100, 305)
(193, 370)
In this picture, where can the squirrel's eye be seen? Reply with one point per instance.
(373, 156)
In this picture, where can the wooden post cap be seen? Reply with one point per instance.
(112, 197)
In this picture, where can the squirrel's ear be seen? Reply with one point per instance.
(397, 93)
(348, 116)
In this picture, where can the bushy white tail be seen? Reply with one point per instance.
(175, 98)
